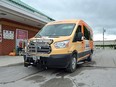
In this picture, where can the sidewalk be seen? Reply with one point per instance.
(10, 60)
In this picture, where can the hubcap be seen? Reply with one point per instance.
(74, 63)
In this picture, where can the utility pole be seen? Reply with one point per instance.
(103, 36)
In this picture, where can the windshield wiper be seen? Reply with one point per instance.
(54, 36)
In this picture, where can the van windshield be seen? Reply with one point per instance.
(56, 30)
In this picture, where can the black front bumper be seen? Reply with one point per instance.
(53, 61)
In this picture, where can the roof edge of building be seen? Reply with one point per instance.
(27, 7)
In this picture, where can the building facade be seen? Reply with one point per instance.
(18, 23)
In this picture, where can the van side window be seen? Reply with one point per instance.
(77, 31)
(86, 33)
(91, 36)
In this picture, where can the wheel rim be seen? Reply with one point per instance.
(74, 63)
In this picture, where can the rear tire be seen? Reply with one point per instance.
(73, 63)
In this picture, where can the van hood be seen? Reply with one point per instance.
(51, 39)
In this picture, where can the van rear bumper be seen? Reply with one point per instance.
(53, 61)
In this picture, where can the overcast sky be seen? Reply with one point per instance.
(97, 13)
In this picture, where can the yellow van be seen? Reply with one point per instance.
(60, 44)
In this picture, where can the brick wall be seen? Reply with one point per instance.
(0, 49)
(31, 33)
(8, 45)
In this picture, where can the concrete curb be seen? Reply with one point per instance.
(12, 64)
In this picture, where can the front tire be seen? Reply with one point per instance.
(73, 63)
(26, 65)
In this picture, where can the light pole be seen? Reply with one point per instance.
(103, 36)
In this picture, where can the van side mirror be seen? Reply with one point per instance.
(79, 36)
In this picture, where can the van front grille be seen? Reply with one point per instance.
(39, 47)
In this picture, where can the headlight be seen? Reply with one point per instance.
(62, 44)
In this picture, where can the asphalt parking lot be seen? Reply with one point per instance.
(101, 72)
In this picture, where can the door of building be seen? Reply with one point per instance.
(21, 40)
